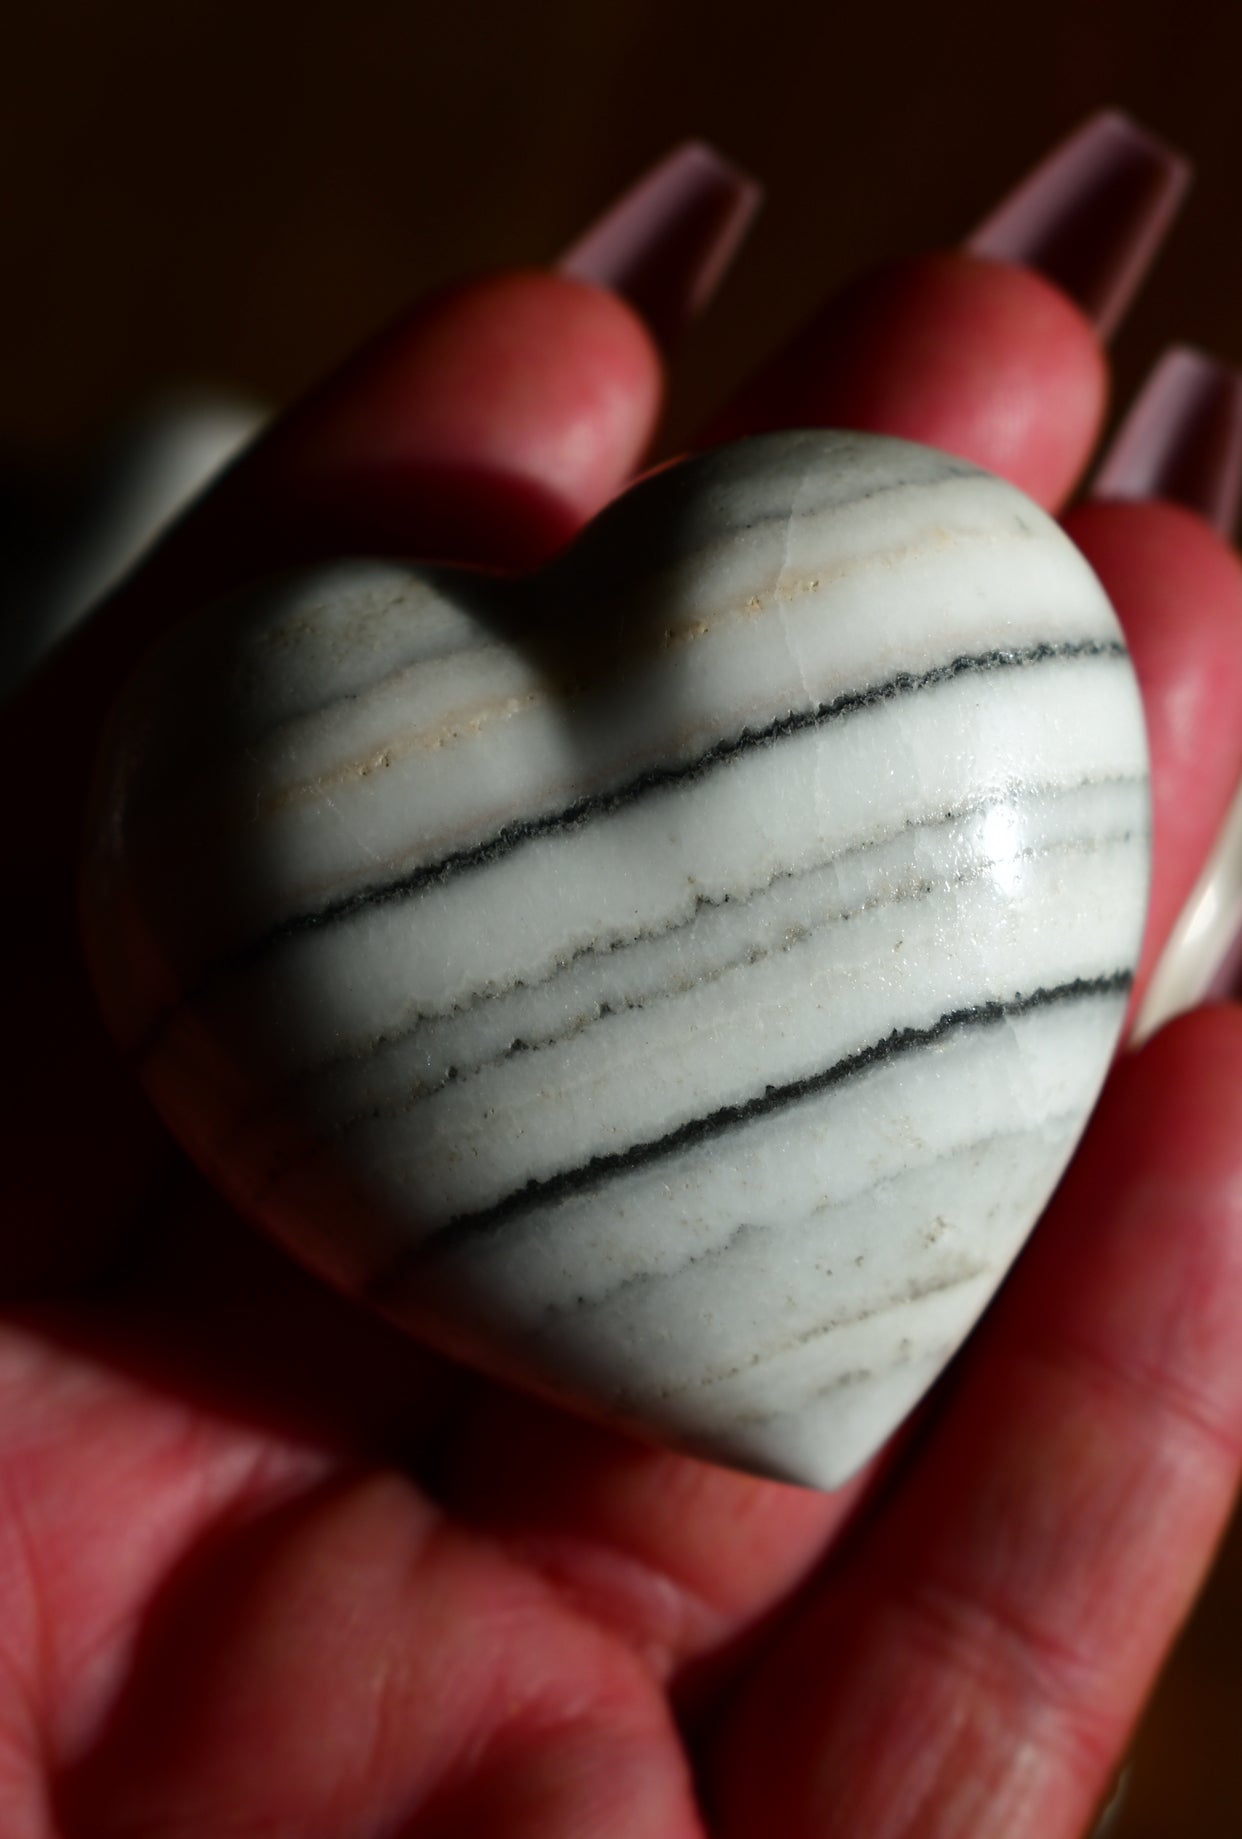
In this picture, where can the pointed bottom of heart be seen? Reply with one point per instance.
(789, 1337)
(822, 1444)
(839, 1421)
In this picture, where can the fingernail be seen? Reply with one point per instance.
(1092, 215)
(1182, 440)
(666, 244)
(1201, 957)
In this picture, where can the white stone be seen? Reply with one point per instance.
(676, 983)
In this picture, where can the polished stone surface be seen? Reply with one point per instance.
(677, 982)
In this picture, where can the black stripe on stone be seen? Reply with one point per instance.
(464, 1070)
(549, 1190)
(659, 778)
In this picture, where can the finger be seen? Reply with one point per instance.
(993, 1643)
(961, 352)
(986, 361)
(992, 353)
(1177, 588)
(504, 413)
(465, 1697)
(1182, 443)
(86, 1447)
(258, 1582)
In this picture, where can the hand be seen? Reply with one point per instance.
(265, 1566)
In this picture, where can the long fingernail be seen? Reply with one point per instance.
(1092, 215)
(1182, 440)
(666, 244)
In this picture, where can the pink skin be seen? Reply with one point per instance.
(265, 1567)
(1149, 556)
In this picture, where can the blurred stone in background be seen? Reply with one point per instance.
(65, 541)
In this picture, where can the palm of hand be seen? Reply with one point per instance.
(264, 1567)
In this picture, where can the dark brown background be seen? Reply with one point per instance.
(199, 192)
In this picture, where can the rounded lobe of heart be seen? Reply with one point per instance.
(674, 982)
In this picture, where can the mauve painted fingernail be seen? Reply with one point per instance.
(667, 242)
(1182, 440)
(1092, 215)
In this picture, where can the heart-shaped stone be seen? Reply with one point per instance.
(675, 982)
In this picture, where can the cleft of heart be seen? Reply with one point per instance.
(674, 982)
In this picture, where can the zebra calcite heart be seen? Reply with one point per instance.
(674, 982)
